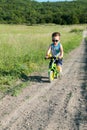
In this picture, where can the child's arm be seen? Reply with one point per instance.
(48, 52)
(61, 52)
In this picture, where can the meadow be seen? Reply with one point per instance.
(23, 48)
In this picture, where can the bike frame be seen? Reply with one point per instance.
(52, 71)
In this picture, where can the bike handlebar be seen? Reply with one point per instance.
(52, 57)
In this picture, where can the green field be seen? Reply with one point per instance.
(23, 48)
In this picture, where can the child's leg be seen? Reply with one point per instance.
(59, 67)
(50, 63)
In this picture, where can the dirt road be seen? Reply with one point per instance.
(60, 105)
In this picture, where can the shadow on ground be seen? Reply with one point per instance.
(35, 78)
(81, 116)
(38, 79)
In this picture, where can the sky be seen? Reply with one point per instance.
(51, 0)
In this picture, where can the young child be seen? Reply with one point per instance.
(56, 50)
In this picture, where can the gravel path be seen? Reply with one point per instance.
(60, 105)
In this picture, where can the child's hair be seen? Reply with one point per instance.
(55, 34)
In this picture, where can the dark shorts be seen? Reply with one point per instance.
(58, 62)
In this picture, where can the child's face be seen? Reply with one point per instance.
(55, 40)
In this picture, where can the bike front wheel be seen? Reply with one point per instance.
(51, 76)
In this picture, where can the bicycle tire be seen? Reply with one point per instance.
(51, 76)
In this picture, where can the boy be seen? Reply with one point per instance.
(56, 50)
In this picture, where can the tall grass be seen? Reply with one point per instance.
(22, 48)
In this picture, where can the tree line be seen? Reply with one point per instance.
(33, 12)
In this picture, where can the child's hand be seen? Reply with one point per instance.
(60, 57)
(46, 57)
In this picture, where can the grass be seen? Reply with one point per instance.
(22, 50)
